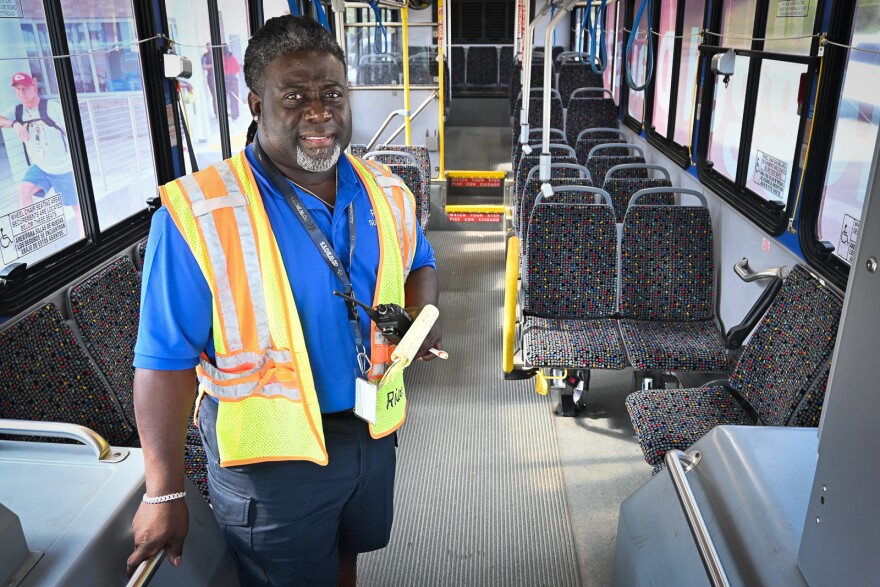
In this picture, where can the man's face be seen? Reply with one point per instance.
(25, 93)
(305, 117)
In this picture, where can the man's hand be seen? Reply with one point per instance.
(158, 526)
(21, 131)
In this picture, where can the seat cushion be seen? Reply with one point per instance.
(195, 465)
(590, 344)
(676, 418)
(674, 346)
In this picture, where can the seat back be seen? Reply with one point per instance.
(571, 260)
(577, 74)
(557, 137)
(505, 67)
(560, 174)
(527, 162)
(482, 67)
(788, 353)
(622, 189)
(589, 112)
(667, 262)
(458, 68)
(46, 375)
(106, 309)
(379, 70)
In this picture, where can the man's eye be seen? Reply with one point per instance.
(334, 95)
(294, 96)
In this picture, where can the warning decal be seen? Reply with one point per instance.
(849, 235)
(31, 228)
(10, 9)
(770, 174)
(472, 217)
(475, 182)
(792, 8)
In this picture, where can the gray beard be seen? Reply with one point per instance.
(318, 164)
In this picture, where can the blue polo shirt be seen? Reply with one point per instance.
(176, 311)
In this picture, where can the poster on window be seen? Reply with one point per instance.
(792, 8)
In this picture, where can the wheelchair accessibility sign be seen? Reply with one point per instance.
(849, 235)
(31, 228)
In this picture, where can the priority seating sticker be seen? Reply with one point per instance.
(31, 228)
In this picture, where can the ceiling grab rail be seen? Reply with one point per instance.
(527, 74)
(597, 30)
(649, 43)
(679, 463)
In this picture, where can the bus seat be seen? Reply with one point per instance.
(568, 291)
(588, 112)
(535, 137)
(505, 67)
(598, 162)
(379, 70)
(560, 174)
(667, 288)
(412, 165)
(577, 74)
(622, 189)
(141, 253)
(195, 466)
(46, 375)
(420, 152)
(482, 68)
(536, 110)
(559, 154)
(780, 378)
(458, 68)
(106, 309)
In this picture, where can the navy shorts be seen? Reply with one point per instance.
(286, 522)
(64, 184)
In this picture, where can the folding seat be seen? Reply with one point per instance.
(588, 108)
(47, 375)
(599, 163)
(591, 137)
(482, 68)
(622, 189)
(568, 290)
(568, 174)
(780, 379)
(574, 75)
(667, 287)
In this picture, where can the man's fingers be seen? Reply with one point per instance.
(174, 551)
(141, 553)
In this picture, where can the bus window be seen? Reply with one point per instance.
(273, 8)
(39, 206)
(234, 32)
(107, 74)
(693, 23)
(638, 60)
(612, 48)
(374, 58)
(856, 126)
(665, 54)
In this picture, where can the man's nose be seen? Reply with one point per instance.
(317, 110)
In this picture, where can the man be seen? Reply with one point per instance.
(39, 124)
(208, 68)
(299, 484)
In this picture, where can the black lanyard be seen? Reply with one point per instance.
(321, 242)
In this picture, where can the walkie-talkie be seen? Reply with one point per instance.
(391, 319)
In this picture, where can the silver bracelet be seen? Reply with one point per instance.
(163, 498)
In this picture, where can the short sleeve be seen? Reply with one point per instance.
(424, 255)
(176, 313)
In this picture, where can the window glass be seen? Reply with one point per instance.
(855, 134)
(373, 59)
(188, 24)
(610, 46)
(738, 23)
(790, 18)
(112, 106)
(665, 53)
(637, 61)
(235, 32)
(39, 204)
(772, 152)
(272, 8)
(687, 79)
(727, 115)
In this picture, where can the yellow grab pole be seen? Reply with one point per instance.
(404, 16)
(508, 325)
(441, 37)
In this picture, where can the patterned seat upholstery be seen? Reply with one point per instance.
(422, 193)
(526, 163)
(106, 308)
(622, 189)
(535, 137)
(536, 111)
(780, 379)
(505, 67)
(667, 290)
(195, 465)
(46, 375)
(482, 67)
(526, 201)
(412, 177)
(584, 113)
(358, 150)
(577, 74)
(569, 284)
(600, 164)
(141, 252)
(458, 68)
(583, 147)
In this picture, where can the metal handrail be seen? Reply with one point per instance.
(84, 435)
(741, 268)
(145, 571)
(678, 463)
(412, 116)
(385, 124)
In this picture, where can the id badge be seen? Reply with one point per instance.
(365, 394)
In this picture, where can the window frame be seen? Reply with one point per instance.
(767, 215)
(629, 16)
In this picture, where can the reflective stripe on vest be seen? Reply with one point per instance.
(261, 373)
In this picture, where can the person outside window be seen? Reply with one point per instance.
(208, 68)
(231, 69)
(238, 293)
(39, 124)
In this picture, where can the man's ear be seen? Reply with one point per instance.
(255, 103)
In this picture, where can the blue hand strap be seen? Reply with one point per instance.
(597, 37)
(294, 7)
(322, 16)
(380, 29)
(649, 67)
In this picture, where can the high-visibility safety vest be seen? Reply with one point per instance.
(268, 408)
